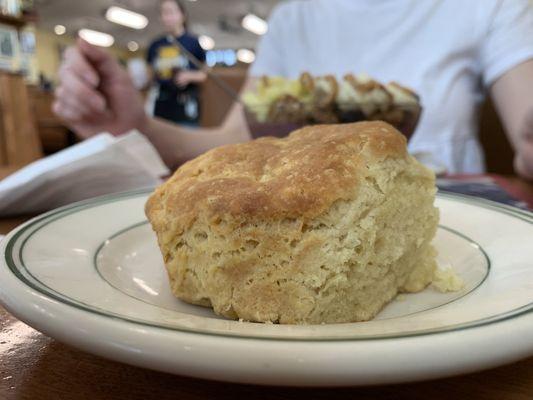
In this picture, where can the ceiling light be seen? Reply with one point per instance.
(125, 17)
(255, 24)
(60, 29)
(97, 38)
(133, 46)
(245, 56)
(206, 42)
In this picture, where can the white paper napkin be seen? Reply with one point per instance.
(100, 165)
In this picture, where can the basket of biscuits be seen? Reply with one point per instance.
(277, 105)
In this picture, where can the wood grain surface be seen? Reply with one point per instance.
(36, 367)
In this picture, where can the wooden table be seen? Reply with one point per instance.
(36, 367)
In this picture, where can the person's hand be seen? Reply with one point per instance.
(524, 151)
(185, 77)
(96, 94)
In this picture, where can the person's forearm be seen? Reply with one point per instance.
(177, 144)
(512, 96)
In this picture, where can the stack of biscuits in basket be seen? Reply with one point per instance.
(325, 99)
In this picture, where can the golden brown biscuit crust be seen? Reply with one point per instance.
(269, 178)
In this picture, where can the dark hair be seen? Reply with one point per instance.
(183, 10)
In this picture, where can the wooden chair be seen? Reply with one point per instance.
(19, 140)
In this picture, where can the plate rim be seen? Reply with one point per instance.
(12, 240)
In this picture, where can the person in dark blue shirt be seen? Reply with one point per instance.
(176, 78)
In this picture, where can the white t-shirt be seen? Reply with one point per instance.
(448, 51)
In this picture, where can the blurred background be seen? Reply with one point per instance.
(35, 33)
(218, 24)
(228, 30)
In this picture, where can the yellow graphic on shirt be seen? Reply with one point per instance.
(168, 59)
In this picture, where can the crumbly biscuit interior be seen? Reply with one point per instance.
(343, 265)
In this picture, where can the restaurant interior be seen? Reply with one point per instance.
(46, 162)
(43, 31)
(39, 32)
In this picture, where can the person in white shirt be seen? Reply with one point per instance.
(451, 52)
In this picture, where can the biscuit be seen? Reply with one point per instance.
(327, 225)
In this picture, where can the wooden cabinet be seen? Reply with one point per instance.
(54, 135)
(19, 141)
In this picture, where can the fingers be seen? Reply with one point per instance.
(65, 112)
(77, 109)
(71, 111)
(76, 63)
(73, 108)
(76, 100)
(101, 60)
(77, 97)
(72, 116)
(76, 90)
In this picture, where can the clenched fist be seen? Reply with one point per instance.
(96, 94)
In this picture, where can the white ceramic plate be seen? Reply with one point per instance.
(91, 275)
